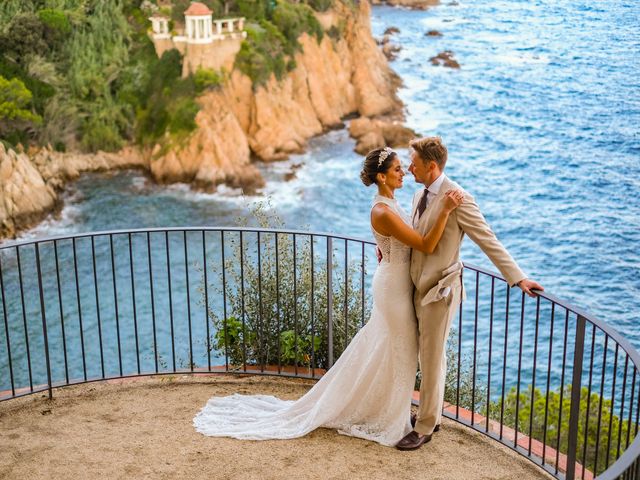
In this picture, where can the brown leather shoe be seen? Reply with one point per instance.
(413, 441)
(414, 419)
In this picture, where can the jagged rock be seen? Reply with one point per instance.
(397, 135)
(361, 126)
(391, 50)
(392, 31)
(445, 59)
(369, 141)
(433, 33)
(375, 133)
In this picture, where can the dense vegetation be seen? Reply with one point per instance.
(83, 74)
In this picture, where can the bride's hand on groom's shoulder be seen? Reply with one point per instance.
(453, 199)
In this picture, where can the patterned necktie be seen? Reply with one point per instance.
(422, 206)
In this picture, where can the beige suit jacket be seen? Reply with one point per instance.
(427, 269)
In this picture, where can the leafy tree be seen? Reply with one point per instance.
(23, 36)
(293, 20)
(15, 116)
(557, 421)
(56, 27)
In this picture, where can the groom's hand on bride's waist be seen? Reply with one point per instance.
(527, 286)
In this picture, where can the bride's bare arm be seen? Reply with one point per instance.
(386, 222)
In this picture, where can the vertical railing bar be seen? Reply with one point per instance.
(459, 361)
(546, 403)
(624, 389)
(576, 388)
(133, 299)
(515, 439)
(631, 403)
(244, 328)
(313, 313)
(586, 423)
(279, 326)
(346, 293)
(224, 304)
(61, 311)
(153, 307)
(43, 314)
(613, 404)
(475, 350)
(173, 340)
(206, 299)
(330, 330)
(186, 271)
(637, 424)
(564, 362)
(533, 377)
(260, 312)
(75, 268)
(24, 318)
(493, 284)
(604, 369)
(504, 360)
(295, 305)
(115, 298)
(6, 329)
(95, 284)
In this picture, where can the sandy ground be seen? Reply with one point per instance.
(142, 429)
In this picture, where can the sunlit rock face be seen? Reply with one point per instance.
(332, 78)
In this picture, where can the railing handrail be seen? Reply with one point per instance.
(630, 456)
(100, 233)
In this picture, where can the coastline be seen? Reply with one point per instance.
(236, 126)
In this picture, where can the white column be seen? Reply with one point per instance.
(241, 24)
(218, 27)
(230, 22)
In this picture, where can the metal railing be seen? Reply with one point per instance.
(538, 375)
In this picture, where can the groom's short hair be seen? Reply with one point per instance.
(430, 149)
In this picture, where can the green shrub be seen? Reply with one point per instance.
(262, 53)
(15, 115)
(41, 91)
(23, 36)
(183, 114)
(553, 424)
(207, 79)
(298, 335)
(294, 19)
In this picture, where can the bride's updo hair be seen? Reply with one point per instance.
(377, 161)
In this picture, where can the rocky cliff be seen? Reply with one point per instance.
(236, 123)
(333, 78)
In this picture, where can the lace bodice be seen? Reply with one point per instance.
(393, 250)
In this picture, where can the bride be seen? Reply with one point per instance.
(367, 393)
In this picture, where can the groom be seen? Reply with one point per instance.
(438, 277)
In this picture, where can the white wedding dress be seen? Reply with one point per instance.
(366, 394)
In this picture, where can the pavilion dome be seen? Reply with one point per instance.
(197, 9)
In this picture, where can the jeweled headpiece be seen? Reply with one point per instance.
(384, 154)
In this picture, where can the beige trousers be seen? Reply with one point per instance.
(434, 322)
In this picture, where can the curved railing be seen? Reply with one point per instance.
(538, 375)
